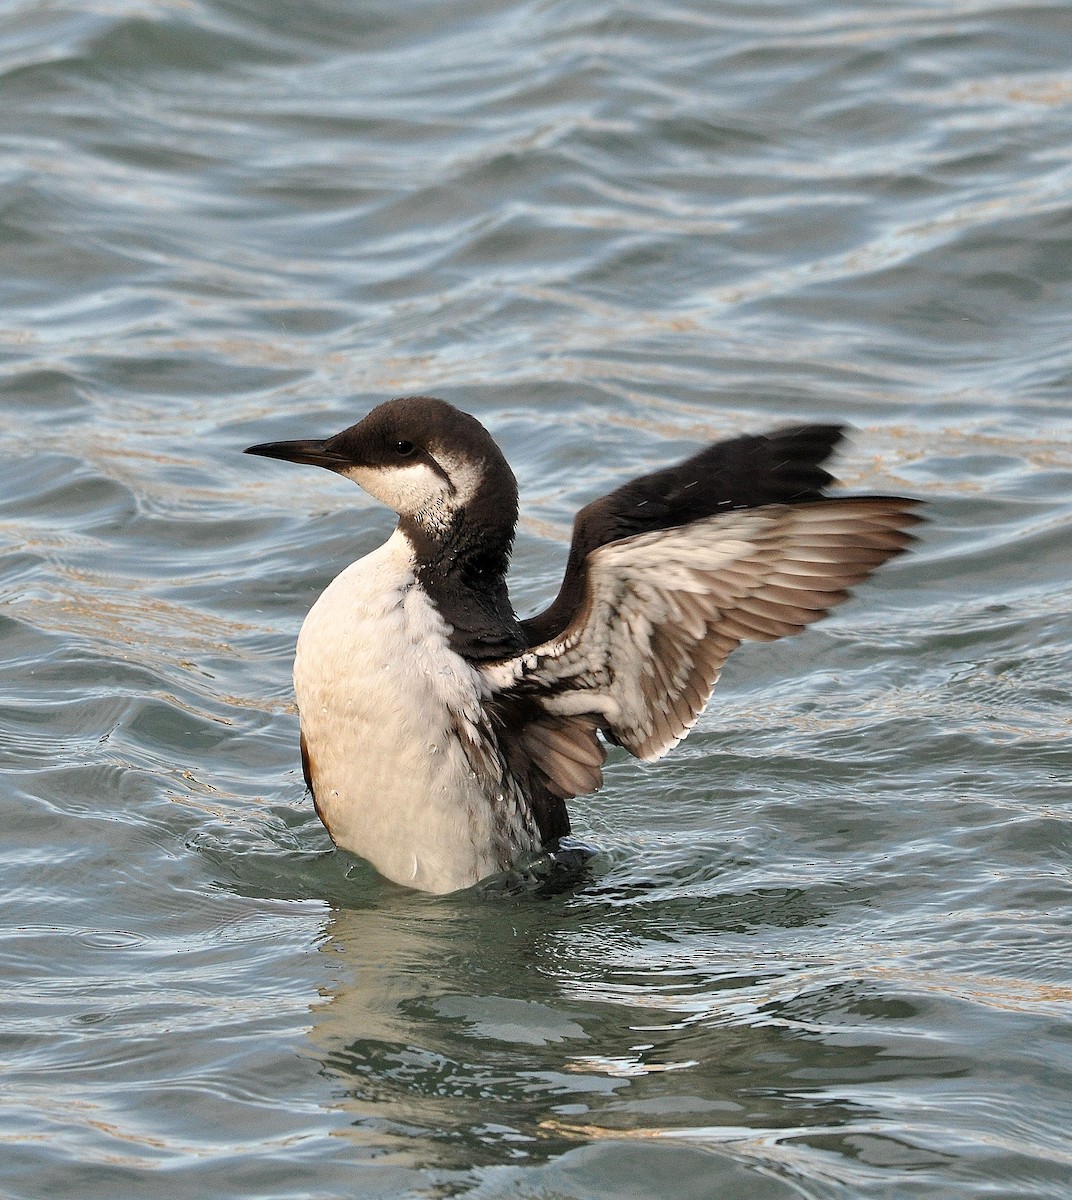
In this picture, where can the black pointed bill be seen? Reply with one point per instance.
(312, 452)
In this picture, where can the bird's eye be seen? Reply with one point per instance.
(404, 449)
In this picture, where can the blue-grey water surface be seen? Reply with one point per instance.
(824, 948)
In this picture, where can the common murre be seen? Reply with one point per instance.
(440, 735)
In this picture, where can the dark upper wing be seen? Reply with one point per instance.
(659, 613)
(781, 467)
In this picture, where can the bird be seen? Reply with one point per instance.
(441, 735)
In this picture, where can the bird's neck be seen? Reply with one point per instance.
(463, 571)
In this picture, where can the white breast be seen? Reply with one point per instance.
(382, 698)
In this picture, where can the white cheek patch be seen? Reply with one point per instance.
(412, 490)
(465, 476)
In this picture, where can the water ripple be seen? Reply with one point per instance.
(819, 942)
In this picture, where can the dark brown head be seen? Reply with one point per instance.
(435, 465)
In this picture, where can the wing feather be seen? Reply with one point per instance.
(661, 612)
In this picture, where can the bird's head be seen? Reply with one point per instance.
(435, 465)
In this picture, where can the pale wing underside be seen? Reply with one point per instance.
(661, 613)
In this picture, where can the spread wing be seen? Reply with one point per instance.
(659, 613)
(780, 467)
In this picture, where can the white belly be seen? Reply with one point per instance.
(381, 697)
